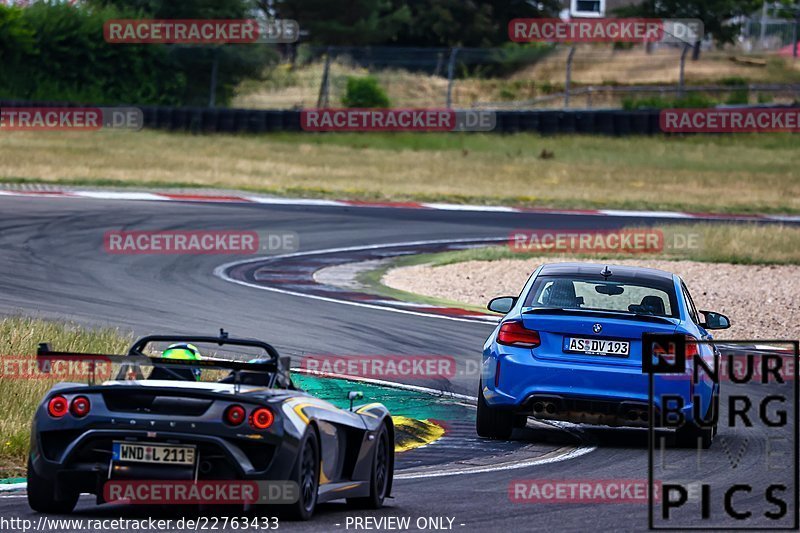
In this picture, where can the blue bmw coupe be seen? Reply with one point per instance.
(569, 348)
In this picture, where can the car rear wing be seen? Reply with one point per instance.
(274, 364)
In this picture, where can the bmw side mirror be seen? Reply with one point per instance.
(715, 320)
(354, 395)
(503, 305)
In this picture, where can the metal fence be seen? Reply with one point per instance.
(522, 77)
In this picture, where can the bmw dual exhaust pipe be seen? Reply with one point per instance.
(544, 407)
(627, 415)
(638, 414)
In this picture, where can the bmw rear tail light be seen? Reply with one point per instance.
(514, 333)
(235, 415)
(57, 406)
(261, 418)
(80, 406)
(692, 348)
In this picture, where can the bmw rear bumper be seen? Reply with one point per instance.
(615, 395)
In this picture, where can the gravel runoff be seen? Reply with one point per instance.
(763, 302)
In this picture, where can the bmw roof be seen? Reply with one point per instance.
(595, 269)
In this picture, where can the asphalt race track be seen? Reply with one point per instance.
(53, 265)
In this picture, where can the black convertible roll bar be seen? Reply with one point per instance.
(223, 339)
(277, 365)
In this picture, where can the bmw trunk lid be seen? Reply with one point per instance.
(568, 335)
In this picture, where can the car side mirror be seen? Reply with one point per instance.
(354, 395)
(504, 304)
(715, 320)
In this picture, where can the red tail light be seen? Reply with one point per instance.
(513, 333)
(80, 406)
(261, 418)
(235, 415)
(57, 406)
(692, 348)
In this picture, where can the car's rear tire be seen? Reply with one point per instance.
(306, 474)
(493, 423)
(382, 473)
(42, 495)
(688, 435)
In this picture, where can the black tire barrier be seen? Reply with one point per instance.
(614, 122)
(622, 123)
(585, 121)
(209, 120)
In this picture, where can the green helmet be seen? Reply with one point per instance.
(184, 351)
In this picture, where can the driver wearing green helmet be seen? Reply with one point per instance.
(185, 352)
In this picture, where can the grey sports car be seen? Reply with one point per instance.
(252, 424)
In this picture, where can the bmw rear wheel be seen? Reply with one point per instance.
(493, 423)
(690, 434)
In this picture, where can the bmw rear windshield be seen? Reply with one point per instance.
(637, 296)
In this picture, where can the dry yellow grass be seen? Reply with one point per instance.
(592, 65)
(596, 65)
(19, 337)
(741, 173)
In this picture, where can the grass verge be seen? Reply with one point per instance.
(750, 244)
(372, 279)
(744, 173)
(19, 337)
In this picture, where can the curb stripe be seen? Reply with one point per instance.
(9, 487)
(460, 315)
(267, 200)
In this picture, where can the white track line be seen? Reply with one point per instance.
(220, 273)
(8, 487)
(573, 454)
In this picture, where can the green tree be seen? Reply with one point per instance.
(411, 22)
(56, 51)
(715, 15)
(353, 23)
(195, 63)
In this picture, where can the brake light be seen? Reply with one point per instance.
(513, 333)
(692, 348)
(261, 418)
(235, 415)
(57, 406)
(80, 406)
